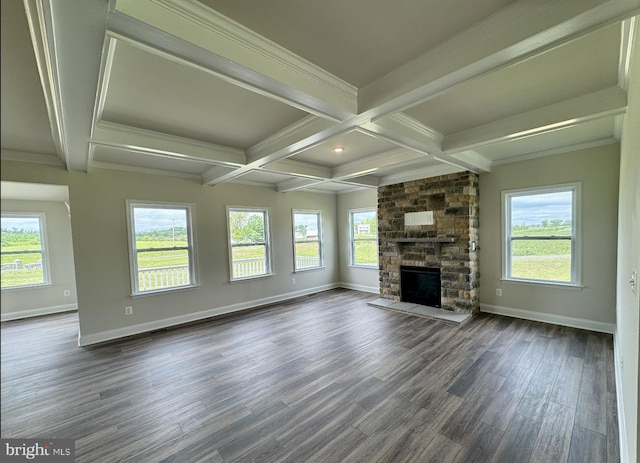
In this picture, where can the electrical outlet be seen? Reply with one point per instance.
(128, 310)
(498, 292)
(293, 281)
(67, 293)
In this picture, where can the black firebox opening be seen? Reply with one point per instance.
(420, 285)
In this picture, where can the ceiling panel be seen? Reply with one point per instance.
(153, 93)
(357, 40)
(589, 132)
(117, 156)
(582, 66)
(357, 145)
(25, 122)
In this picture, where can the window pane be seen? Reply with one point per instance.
(541, 235)
(307, 254)
(542, 214)
(365, 252)
(246, 227)
(160, 227)
(22, 256)
(249, 247)
(157, 231)
(542, 260)
(364, 235)
(307, 235)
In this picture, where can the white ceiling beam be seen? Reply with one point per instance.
(406, 141)
(281, 140)
(191, 33)
(407, 127)
(628, 28)
(299, 169)
(160, 144)
(361, 167)
(219, 174)
(514, 34)
(68, 38)
(296, 184)
(608, 102)
(366, 181)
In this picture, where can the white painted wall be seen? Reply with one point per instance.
(628, 302)
(20, 303)
(363, 279)
(98, 220)
(593, 306)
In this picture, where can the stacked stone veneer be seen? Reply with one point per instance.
(454, 201)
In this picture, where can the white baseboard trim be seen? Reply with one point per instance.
(366, 289)
(110, 335)
(8, 316)
(622, 426)
(550, 318)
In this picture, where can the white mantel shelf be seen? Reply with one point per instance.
(435, 240)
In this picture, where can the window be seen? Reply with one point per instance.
(364, 237)
(24, 251)
(161, 247)
(541, 235)
(307, 238)
(250, 253)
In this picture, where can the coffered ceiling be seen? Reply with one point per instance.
(261, 92)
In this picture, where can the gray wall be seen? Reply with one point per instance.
(363, 279)
(18, 303)
(628, 301)
(597, 169)
(100, 246)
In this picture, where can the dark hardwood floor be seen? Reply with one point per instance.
(323, 379)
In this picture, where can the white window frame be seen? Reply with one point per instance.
(352, 239)
(44, 249)
(320, 240)
(576, 247)
(191, 247)
(267, 242)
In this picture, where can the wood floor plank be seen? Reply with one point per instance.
(567, 386)
(587, 445)
(518, 441)
(324, 378)
(554, 437)
(591, 412)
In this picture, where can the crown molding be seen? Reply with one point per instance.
(554, 151)
(143, 170)
(607, 102)
(36, 158)
(160, 144)
(628, 32)
(214, 34)
(40, 20)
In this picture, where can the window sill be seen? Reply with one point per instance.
(28, 287)
(551, 284)
(365, 267)
(164, 291)
(255, 277)
(299, 270)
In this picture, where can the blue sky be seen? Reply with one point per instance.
(21, 223)
(532, 209)
(149, 219)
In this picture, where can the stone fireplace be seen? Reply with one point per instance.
(446, 240)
